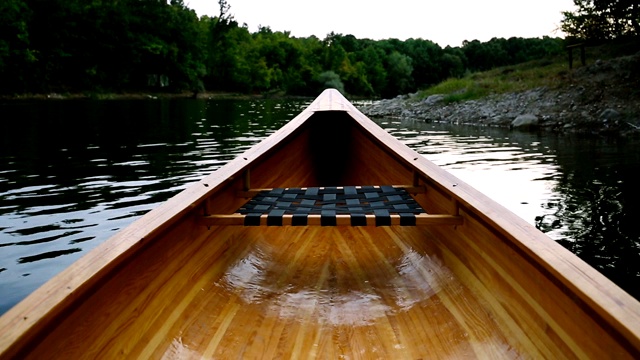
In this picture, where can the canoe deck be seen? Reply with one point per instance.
(285, 292)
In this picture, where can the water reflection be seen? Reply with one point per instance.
(579, 190)
(74, 172)
(518, 170)
(596, 207)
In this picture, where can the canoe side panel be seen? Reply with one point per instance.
(115, 319)
(525, 299)
(371, 164)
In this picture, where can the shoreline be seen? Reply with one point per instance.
(130, 96)
(600, 99)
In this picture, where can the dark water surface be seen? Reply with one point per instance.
(72, 173)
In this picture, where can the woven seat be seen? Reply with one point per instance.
(332, 206)
(329, 202)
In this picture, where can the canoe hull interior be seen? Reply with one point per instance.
(287, 292)
(171, 287)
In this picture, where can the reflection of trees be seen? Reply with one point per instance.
(76, 171)
(595, 222)
(235, 124)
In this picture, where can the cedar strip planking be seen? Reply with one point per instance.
(285, 292)
(517, 306)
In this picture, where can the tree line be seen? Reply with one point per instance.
(141, 45)
(602, 20)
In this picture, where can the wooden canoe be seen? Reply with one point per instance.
(212, 274)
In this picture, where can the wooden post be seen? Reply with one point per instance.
(570, 57)
(582, 54)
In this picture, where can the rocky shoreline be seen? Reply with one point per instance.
(601, 98)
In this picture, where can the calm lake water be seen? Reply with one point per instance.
(72, 173)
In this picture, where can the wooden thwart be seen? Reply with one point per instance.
(411, 189)
(315, 220)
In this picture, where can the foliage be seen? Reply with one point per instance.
(400, 69)
(329, 79)
(597, 20)
(149, 45)
(512, 78)
(501, 52)
(15, 46)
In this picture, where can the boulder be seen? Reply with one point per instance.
(433, 99)
(525, 121)
(609, 115)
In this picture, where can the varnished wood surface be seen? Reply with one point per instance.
(309, 292)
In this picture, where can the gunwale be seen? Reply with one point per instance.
(617, 311)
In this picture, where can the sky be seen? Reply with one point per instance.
(445, 22)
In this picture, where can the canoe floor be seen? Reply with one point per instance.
(283, 292)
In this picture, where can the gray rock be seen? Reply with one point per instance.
(525, 121)
(433, 99)
(609, 115)
(500, 120)
(597, 98)
(407, 114)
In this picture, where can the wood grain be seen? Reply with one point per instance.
(283, 292)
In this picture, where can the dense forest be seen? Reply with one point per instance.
(142, 45)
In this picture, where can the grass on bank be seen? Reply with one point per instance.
(552, 73)
(513, 78)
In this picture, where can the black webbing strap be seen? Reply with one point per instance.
(328, 202)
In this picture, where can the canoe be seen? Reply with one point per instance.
(329, 239)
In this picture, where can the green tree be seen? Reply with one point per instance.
(310, 66)
(250, 71)
(222, 35)
(16, 54)
(283, 56)
(602, 19)
(485, 56)
(333, 53)
(373, 58)
(426, 61)
(399, 70)
(186, 66)
(453, 64)
(105, 45)
(330, 79)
